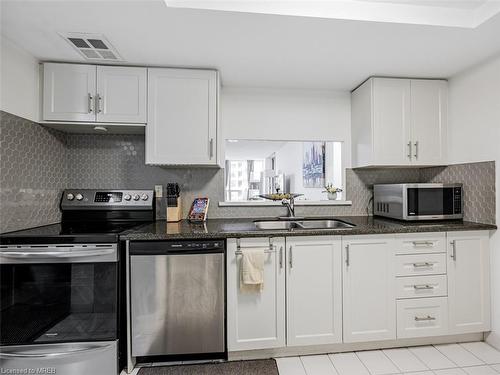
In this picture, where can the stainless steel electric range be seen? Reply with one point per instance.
(60, 285)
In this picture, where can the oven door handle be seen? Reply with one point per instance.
(24, 354)
(55, 254)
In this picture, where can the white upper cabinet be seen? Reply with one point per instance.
(428, 121)
(369, 288)
(468, 282)
(256, 318)
(314, 290)
(121, 94)
(398, 122)
(182, 117)
(69, 92)
(89, 93)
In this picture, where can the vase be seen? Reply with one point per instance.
(332, 196)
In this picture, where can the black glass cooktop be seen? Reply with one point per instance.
(95, 228)
(78, 232)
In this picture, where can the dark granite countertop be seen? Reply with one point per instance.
(227, 228)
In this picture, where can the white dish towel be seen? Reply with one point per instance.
(252, 270)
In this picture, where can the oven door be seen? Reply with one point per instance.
(58, 294)
(427, 203)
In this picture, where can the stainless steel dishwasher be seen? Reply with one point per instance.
(177, 299)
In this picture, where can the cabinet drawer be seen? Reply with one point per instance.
(422, 317)
(421, 243)
(420, 264)
(421, 286)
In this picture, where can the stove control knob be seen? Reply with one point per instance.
(136, 197)
(127, 197)
(70, 197)
(144, 197)
(79, 197)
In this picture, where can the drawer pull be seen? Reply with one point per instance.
(424, 319)
(423, 243)
(423, 264)
(423, 287)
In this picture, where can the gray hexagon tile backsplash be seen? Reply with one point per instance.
(32, 173)
(37, 163)
(479, 187)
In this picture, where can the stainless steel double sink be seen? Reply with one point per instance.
(302, 224)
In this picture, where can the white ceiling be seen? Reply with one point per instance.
(243, 149)
(462, 13)
(458, 4)
(256, 50)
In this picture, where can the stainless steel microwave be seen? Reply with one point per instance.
(419, 201)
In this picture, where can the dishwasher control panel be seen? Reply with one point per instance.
(173, 247)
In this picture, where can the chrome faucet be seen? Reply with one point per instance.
(290, 204)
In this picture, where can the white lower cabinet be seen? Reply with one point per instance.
(256, 320)
(469, 282)
(321, 290)
(314, 290)
(369, 288)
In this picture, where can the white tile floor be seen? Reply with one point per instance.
(475, 358)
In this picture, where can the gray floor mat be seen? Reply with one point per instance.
(255, 367)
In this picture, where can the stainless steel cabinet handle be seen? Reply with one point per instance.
(453, 250)
(423, 243)
(211, 147)
(290, 259)
(89, 102)
(409, 150)
(416, 150)
(347, 256)
(98, 100)
(423, 287)
(424, 319)
(281, 256)
(423, 264)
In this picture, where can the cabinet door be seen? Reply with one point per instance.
(429, 119)
(256, 320)
(314, 290)
(121, 94)
(369, 288)
(182, 117)
(69, 92)
(468, 282)
(391, 121)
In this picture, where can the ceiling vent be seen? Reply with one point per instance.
(92, 47)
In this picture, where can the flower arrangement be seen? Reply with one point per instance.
(332, 191)
(329, 188)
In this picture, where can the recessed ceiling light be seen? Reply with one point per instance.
(451, 13)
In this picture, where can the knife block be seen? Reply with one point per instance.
(174, 209)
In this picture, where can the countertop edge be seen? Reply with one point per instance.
(366, 230)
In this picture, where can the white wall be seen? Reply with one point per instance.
(475, 136)
(289, 159)
(287, 115)
(19, 82)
